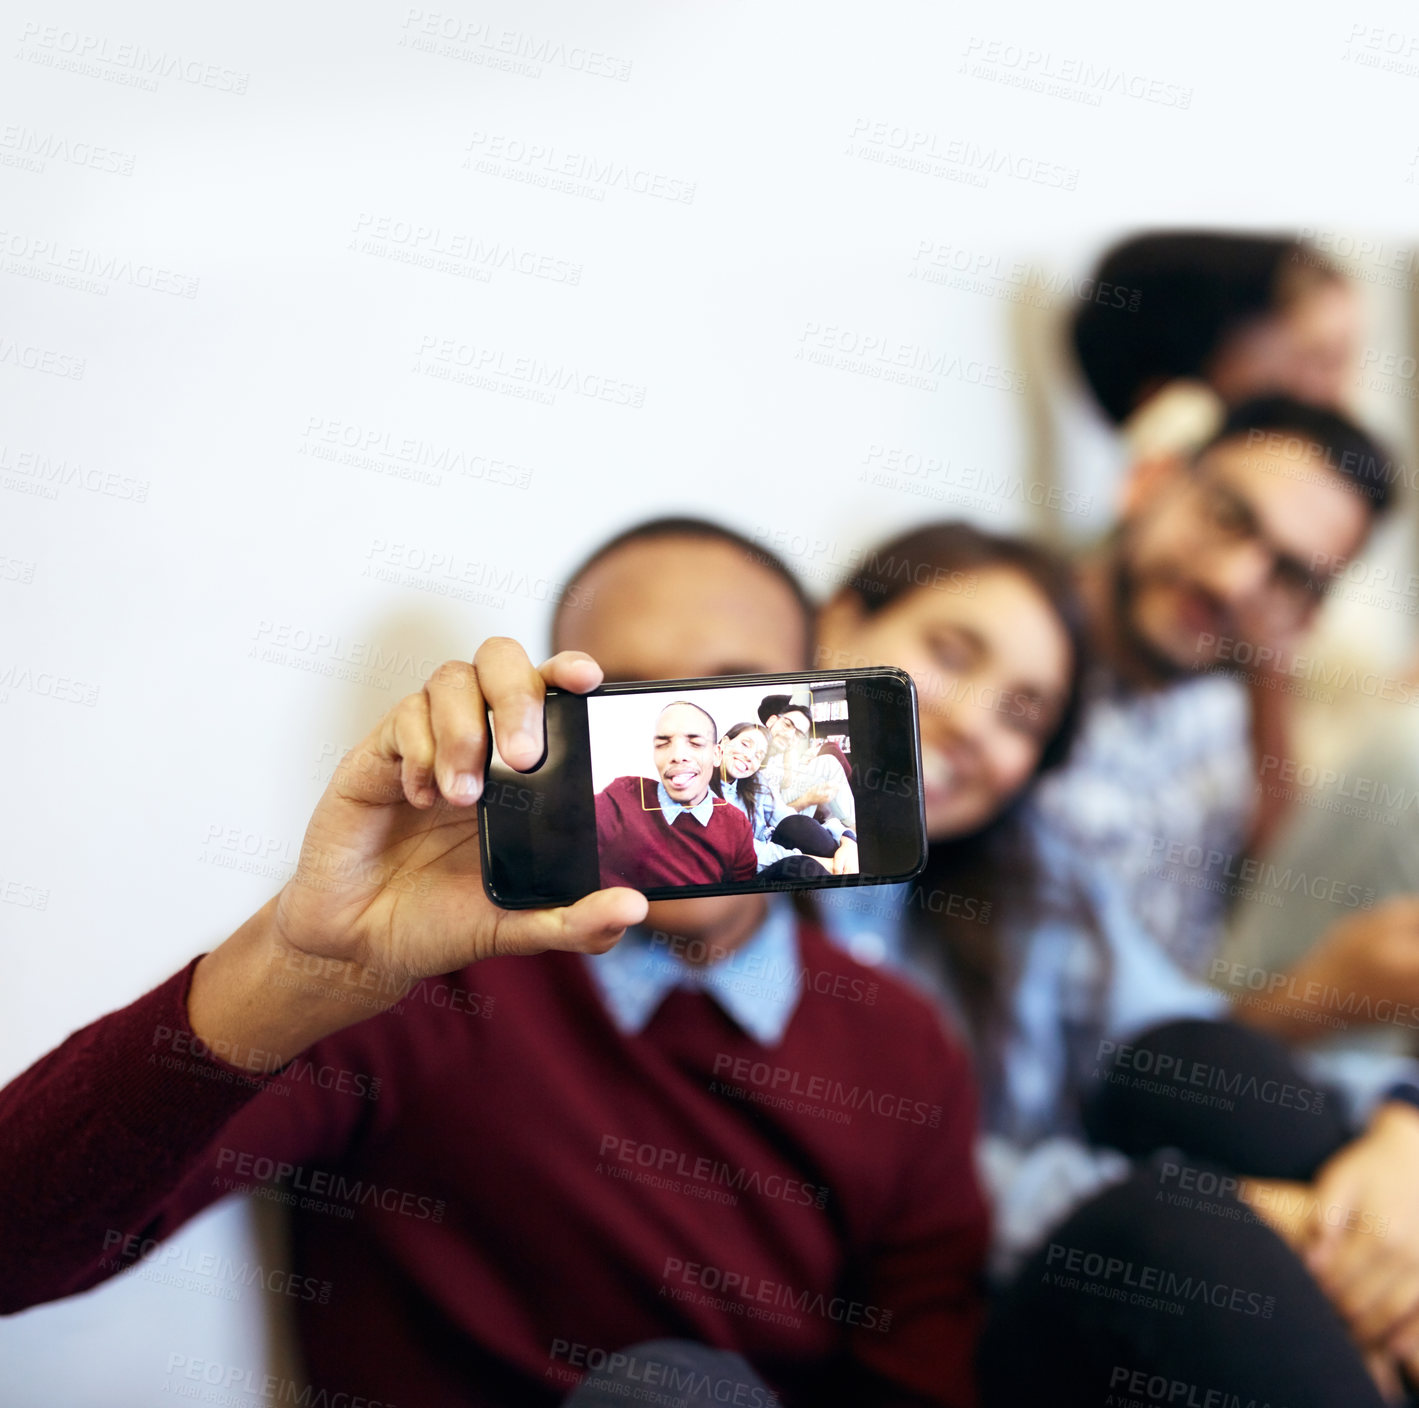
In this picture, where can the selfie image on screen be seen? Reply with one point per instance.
(735, 785)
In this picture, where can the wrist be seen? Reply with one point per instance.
(257, 1001)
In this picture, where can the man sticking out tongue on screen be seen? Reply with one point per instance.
(675, 830)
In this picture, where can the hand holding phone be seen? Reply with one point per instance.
(681, 788)
(390, 874)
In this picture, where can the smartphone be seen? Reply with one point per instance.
(680, 788)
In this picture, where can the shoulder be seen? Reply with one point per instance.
(623, 789)
(1201, 702)
(731, 813)
(1220, 698)
(891, 1044)
(853, 996)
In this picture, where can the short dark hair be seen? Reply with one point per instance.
(1353, 453)
(772, 704)
(1162, 304)
(688, 526)
(690, 704)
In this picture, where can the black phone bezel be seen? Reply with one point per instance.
(891, 810)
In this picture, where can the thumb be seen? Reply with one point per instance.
(591, 925)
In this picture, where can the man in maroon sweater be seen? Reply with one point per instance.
(674, 830)
(721, 1130)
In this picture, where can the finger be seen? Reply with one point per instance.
(1328, 1237)
(460, 731)
(395, 762)
(1388, 1306)
(514, 690)
(1401, 1334)
(591, 925)
(1275, 1203)
(1347, 1262)
(572, 670)
(1402, 910)
(1384, 1375)
(1404, 1345)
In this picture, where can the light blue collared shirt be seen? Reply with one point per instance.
(670, 808)
(868, 921)
(758, 985)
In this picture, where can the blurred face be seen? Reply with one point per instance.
(675, 608)
(1308, 350)
(1238, 547)
(686, 753)
(786, 730)
(992, 672)
(744, 754)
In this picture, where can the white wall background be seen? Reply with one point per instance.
(223, 635)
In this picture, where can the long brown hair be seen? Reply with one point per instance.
(991, 869)
(747, 787)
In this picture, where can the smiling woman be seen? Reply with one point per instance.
(994, 642)
(998, 652)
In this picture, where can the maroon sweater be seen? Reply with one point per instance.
(638, 848)
(491, 1185)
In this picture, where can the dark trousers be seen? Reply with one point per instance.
(1167, 1287)
(672, 1374)
(801, 833)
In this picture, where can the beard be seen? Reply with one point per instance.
(1141, 655)
(788, 747)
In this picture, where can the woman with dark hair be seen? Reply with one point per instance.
(991, 629)
(1108, 1266)
(785, 842)
(1243, 315)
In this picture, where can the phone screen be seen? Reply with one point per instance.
(699, 787)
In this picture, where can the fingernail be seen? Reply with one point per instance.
(464, 784)
(524, 742)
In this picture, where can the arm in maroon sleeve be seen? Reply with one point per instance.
(926, 1271)
(100, 1138)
